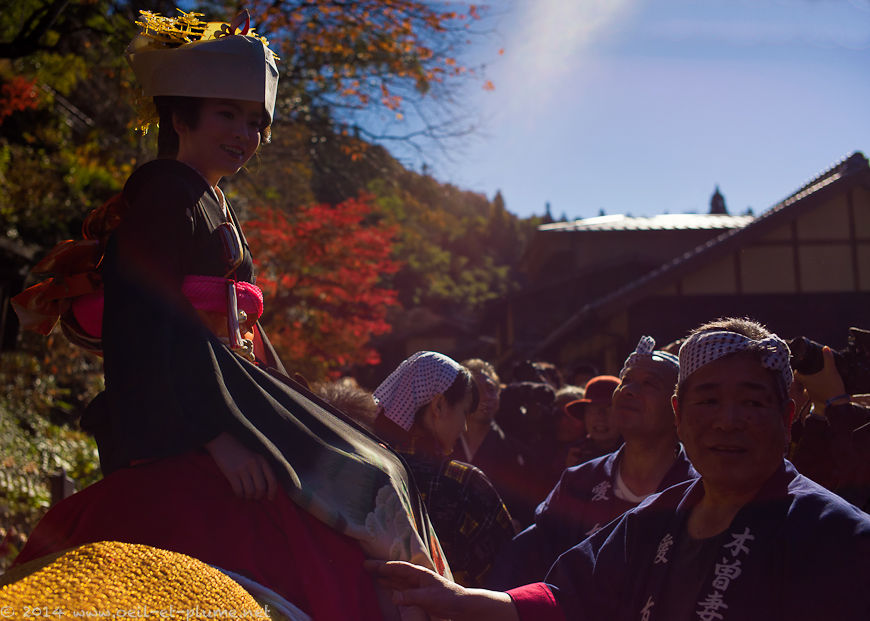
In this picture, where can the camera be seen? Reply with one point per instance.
(853, 362)
(521, 408)
(541, 372)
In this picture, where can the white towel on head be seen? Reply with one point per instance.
(415, 382)
(704, 347)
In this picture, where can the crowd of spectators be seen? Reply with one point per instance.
(566, 460)
(733, 488)
(549, 493)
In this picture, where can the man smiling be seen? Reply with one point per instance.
(751, 539)
(592, 494)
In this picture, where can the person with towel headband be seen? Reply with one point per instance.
(423, 406)
(589, 496)
(751, 539)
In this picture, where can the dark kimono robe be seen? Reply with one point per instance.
(796, 552)
(581, 503)
(835, 451)
(172, 386)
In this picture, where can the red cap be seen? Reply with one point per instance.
(598, 390)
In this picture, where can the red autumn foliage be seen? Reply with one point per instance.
(16, 95)
(321, 270)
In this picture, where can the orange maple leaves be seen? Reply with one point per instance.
(367, 50)
(16, 95)
(321, 272)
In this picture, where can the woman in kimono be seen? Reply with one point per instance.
(423, 406)
(207, 446)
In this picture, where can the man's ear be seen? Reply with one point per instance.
(788, 414)
(676, 407)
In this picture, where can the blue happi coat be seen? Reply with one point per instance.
(796, 552)
(581, 503)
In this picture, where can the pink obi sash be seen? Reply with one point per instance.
(205, 293)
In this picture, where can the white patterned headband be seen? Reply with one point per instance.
(645, 354)
(704, 347)
(415, 382)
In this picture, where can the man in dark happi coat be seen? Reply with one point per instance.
(751, 539)
(592, 494)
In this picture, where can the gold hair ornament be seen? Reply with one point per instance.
(188, 27)
(161, 31)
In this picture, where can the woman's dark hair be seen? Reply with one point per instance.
(459, 388)
(187, 109)
(462, 384)
(347, 396)
(395, 435)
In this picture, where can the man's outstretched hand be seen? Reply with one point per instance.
(413, 585)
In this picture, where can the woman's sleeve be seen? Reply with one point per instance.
(485, 528)
(162, 381)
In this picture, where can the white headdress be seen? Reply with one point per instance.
(184, 56)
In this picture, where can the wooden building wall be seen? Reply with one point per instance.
(824, 250)
(810, 276)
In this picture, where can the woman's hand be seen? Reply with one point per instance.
(248, 472)
(413, 585)
(217, 323)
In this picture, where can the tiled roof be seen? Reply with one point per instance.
(855, 164)
(668, 221)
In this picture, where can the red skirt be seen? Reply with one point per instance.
(186, 505)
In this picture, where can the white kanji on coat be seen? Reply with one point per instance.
(599, 492)
(725, 572)
(593, 530)
(738, 544)
(646, 611)
(709, 608)
(664, 547)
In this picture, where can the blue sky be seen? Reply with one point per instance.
(644, 106)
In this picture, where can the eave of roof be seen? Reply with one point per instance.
(660, 222)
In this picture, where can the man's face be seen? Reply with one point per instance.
(642, 402)
(487, 405)
(600, 424)
(733, 424)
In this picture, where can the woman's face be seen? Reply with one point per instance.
(226, 135)
(449, 421)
